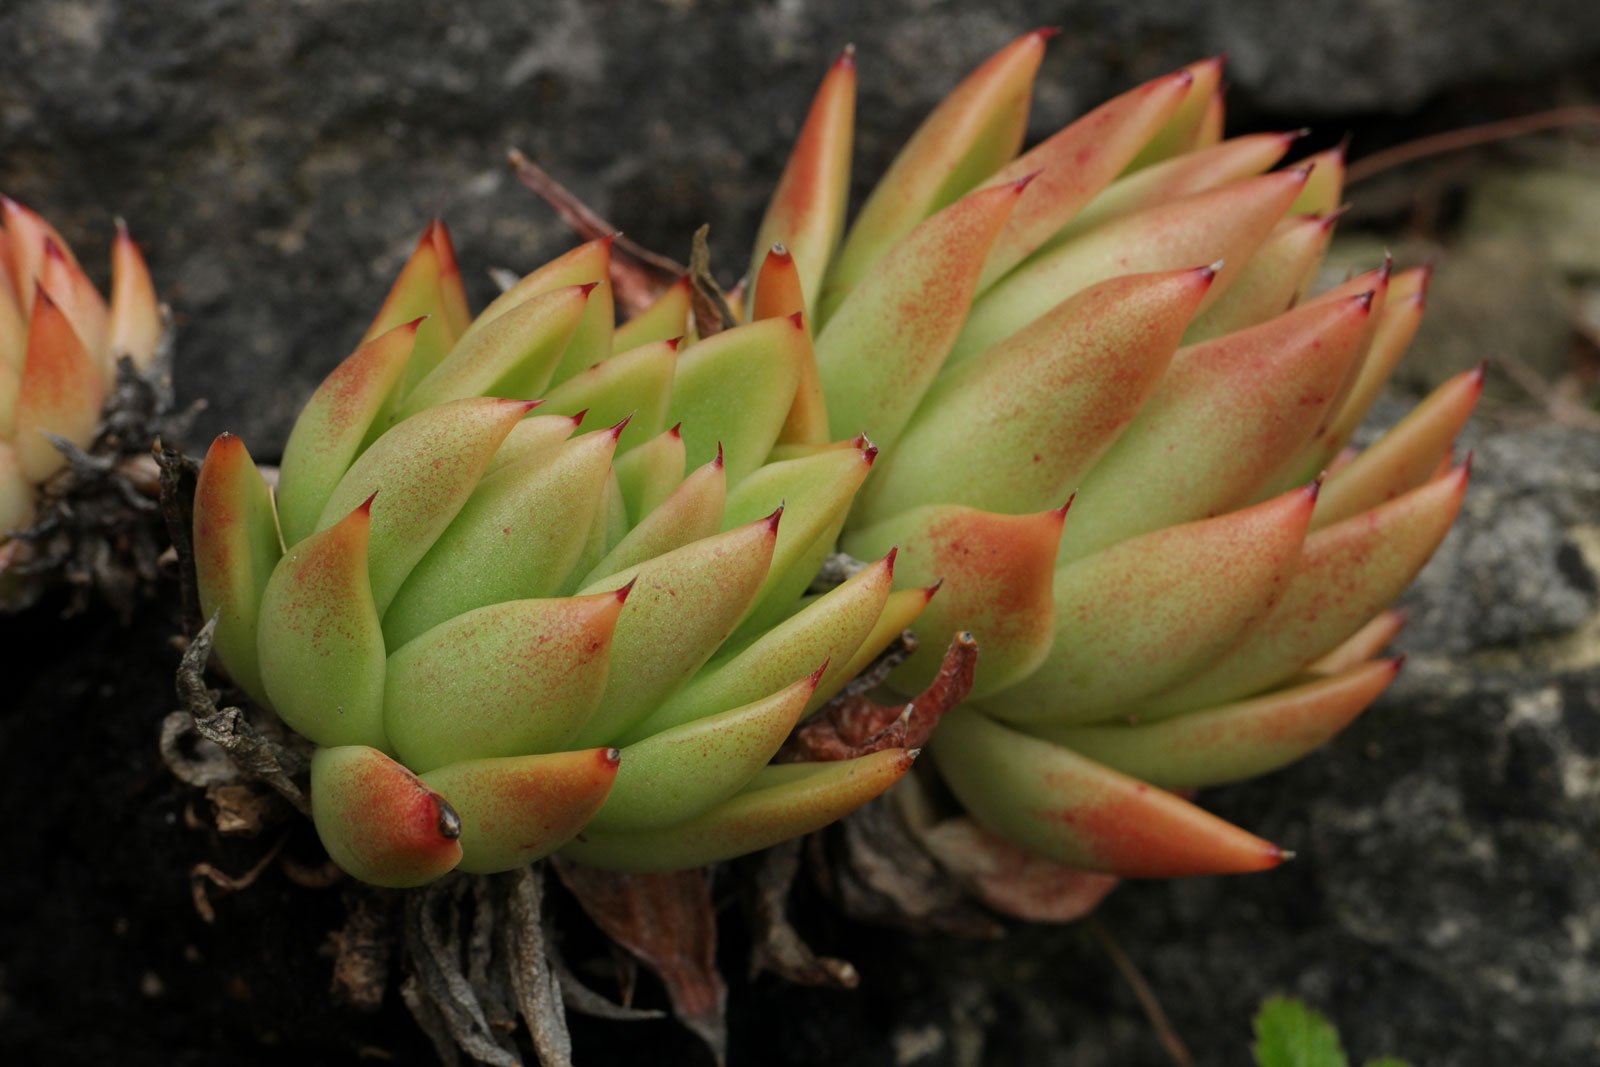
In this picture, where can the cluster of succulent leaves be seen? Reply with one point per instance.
(508, 637)
(1291, 1034)
(60, 343)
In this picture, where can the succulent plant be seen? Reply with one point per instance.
(1122, 312)
(60, 346)
(507, 640)
(507, 637)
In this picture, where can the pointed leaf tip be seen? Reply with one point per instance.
(622, 593)
(1044, 33)
(931, 591)
(1364, 300)
(673, 343)
(847, 58)
(1210, 271)
(365, 507)
(620, 425)
(1303, 171)
(577, 419)
(1314, 487)
(588, 287)
(816, 675)
(717, 463)
(774, 518)
(888, 559)
(1022, 183)
(798, 319)
(780, 251)
(870, 453)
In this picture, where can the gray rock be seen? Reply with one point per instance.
(277, 160)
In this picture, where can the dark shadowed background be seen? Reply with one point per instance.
(276, 161)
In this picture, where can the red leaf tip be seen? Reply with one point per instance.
(929, 591)
(870, 453)
(52, 250)
(673, 342)
(1209, 272)
(527, 405)
(1313, 488)
(816, 675)
(1397, 662)
(1044, 33)
(1302, 173)
(414, 324)
(1480, 372)
(1364, 300)
(1061, 512)
(888, 560)
(365, 507)
(1332, 218)
(772, 520)
(577, 420)
(717, 463)
(677, 431)
(847, 58)
(588, 287)
(1022, 182)
(622, 424)
(798, 320)
(622, 594)
(610, 757)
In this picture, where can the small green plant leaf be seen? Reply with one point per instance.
(1290, 1034)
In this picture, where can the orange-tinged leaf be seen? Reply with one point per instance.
(1232, 742)
(1188, 122)
(59, 391)
(518, 809)
(378, 821)
(1074, 811)
(807, 210)
(135, 318)
(1364, 644)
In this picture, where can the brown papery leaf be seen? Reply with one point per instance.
(666, 921)
(1012, 880)
(853, 725)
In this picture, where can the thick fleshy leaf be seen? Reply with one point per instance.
(828, 630)
(518, 536)
(635, 383)
(517, 809)
(879, 353)
(692, 511)
(588, 264)
(534, 435)
(777, 294)
(1348, 572)
(10, 383)
(1235, 741)
(1072, 810)
(427, 288)
(378, 821)
(1193, 172)
(1324, 192)
(504, 680)
(815, 493)
(900, 611)
(1180, 132)
(675, 774)
(1223, 225)
(1220, 424)
(515, 355)
(1396, 326)
(426, 467)
(997, 572)
(974, 131)
(1145, 613)
(1015, 428)
(735, 390)
(26, 234)
(779, 803)
(235, 550)
(328, 434)
(81, 303)
(664, 320)
(318, 639)
(806, 212)
(649, 473)
(1076, 164)
(134, 327)
(59, 391)
(1271, 282)
(1364, 644)
(1406, 456)
(684, 605)
(777, 291)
